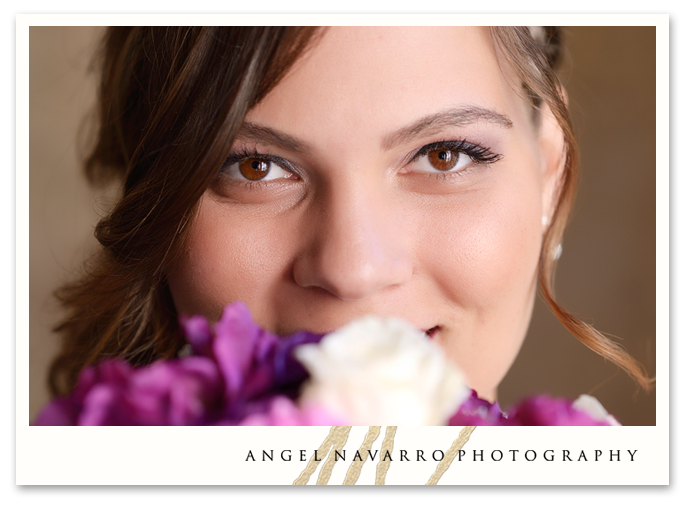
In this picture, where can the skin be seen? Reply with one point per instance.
(354, 226)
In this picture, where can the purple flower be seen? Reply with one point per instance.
(236, 371)
(281, 411)
(177, 392)
(60, 411)
(253, 361)
(475, 411)
(538, 410)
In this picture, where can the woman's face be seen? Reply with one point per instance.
(393, 171)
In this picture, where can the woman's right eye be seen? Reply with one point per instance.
(256, 169)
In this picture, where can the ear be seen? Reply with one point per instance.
(552, 146)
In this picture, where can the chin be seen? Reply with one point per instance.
(489, 395)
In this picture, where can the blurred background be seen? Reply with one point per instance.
(606, 274)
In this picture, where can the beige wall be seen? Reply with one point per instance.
(63, 210)
(606, 274)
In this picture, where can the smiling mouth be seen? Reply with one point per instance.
(432, 331)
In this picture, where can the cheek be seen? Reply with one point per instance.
(488, 243)
(483, 257)
(229, 259)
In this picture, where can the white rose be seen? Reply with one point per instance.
(377, 371)
(593, 408)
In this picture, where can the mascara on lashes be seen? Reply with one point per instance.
(477, 153)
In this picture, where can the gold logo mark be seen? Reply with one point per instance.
(336, 440)
(354, 471)
(460, 441)
(387, 446)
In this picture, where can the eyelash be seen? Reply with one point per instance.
(245, 153)
(479, 155)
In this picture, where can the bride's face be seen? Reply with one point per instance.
(393, 171)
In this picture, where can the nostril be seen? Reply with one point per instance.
(432, 331)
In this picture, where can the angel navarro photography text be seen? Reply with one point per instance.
(462, 455)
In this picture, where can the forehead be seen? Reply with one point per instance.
(379, 78)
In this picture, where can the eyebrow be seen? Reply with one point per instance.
(433, 123)
(427, 125)
(252, 132)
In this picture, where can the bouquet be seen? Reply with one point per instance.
(373, 371)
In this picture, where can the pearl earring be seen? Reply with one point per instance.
(558, 251)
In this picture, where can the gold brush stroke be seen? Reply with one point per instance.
(340, 438)
(460, 441)
(334, 435)
(383, 465)
(339, 435)
(332, 439)
(354, 471)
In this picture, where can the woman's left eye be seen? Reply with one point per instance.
(256, 169)
(441, 160)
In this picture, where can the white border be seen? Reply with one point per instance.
(109, 455)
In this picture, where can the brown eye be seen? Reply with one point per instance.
(254, 169)
(443, 159)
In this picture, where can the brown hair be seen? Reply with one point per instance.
(170, 103)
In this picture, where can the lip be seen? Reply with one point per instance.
(428, 328)
(431, 332)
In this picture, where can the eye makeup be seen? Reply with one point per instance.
(476, 152)
(250, 170)
(441, 159)
(449, 162)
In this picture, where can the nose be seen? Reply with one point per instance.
(356, 246)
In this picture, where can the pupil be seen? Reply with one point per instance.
(443, 155)
(257, 165)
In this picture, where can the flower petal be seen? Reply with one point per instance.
(60, 411)
(198, 334)
(377, 371)
(590, 405)
(233, 345)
